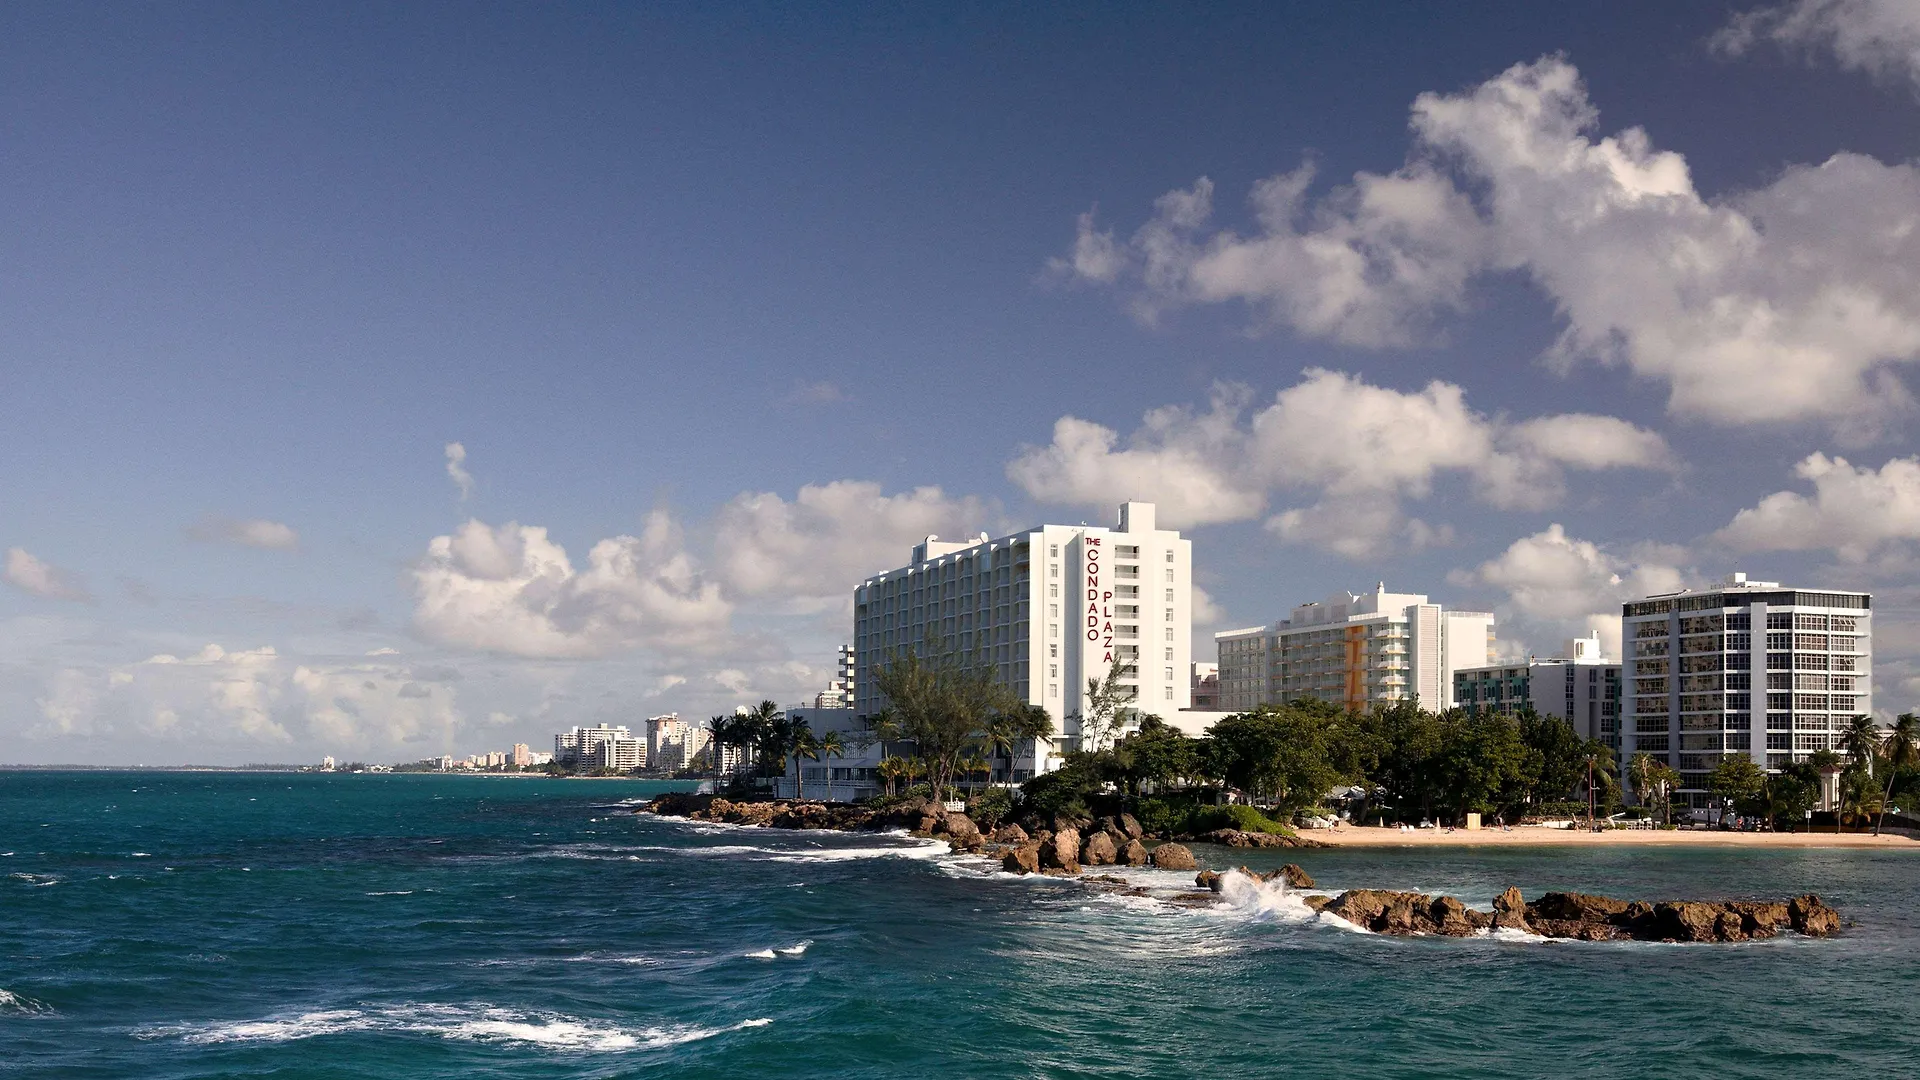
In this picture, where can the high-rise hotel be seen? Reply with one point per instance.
(1049, 608)
(1746, 667)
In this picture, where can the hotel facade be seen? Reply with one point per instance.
(1354, 651)
(1048, 609)
(1582, 688)
(1747, 667)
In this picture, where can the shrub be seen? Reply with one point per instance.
(1162, 816)
(991, 807)
(1052, 793)
(1243, 818)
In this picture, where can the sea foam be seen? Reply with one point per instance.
(479, 1023)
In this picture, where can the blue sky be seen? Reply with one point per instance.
(752, 298)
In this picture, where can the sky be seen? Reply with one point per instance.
(389, 381)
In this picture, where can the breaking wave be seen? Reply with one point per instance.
(478, 1023)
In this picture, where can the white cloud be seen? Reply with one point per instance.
(29, 574)
(1881, 37)
(512, 590)
(1856, 512)
(815, 549)
(1788, 302)
(251, 696)
(247, 532)
(457, 470)
(1362, 449)
(1557, 586)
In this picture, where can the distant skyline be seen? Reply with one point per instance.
(389, 382)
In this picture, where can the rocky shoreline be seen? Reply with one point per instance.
(1067, 847)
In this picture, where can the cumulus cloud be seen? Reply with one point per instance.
(246, 532)
(1362, 449)
(1791, 301)
(512, 590)
(29, 574)
(1880, 37)
(1856, 512)
(253, 696)
(1557, 586)
(814, 549)
(457, 470)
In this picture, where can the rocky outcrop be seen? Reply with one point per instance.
(1098, 850)
(1133, 854)
(918, 816)
(1582, 917)
(959, 831)
(1061, 851)
(1289, 875)
(1295, 877)
(1008, 834)
(1171, 856)
(1024, 859)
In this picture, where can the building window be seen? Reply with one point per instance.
(1169, 575)
(1053, 551)
(1169, 614)
(1053, 570)
(1169, 652)
(1169, 675)
(1053, 689)
(1053, 671)
(1053, 611)
(1169, 596)
(1169, 693)
(1053, 590)
(1169, 633)
(1053, 649)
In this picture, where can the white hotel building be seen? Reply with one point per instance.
(1746, 667)
(1354, 651)
(1049, 608)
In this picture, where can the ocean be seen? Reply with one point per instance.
(160, 925)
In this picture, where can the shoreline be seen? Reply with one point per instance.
(1373, 836)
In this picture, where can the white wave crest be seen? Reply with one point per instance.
(794, 950)
(479, 1023)
(762, 954)
(11, 1002)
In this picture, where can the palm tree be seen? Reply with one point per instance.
(892, 770)
(830, 746)
(1900, 749)
(805, 748)
(722, 731)
(1861, 741)
(1602, 771)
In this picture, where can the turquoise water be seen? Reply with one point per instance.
(200, 925)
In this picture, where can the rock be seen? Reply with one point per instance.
(1577, 906)
(1131, 826)
(1133, 854)
(1399, 917)
(1685, 920)
(1009, 834)
(959, 831)
(1098, 850)
(1241, 839)
(1062, 851)
(1294, 877)
(1024, 859)
(1512, 920)
(1172, 856)
(1317, 903)
(1368, 907)
(1453, 918)
(1762, 919)
(1208, 879)
(1727, 927)
(1811, 917)
(1511, 900)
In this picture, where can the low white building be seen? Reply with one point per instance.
(1582, 688)
(602, 746)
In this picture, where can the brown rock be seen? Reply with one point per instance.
(1452, 918)
(1762, 919)
(1062, 851)
(1131, 826)
(1098, 850)
(1379, 910)
(1811, 917)
(1727, 927)
(1133, 854)
(1578, 906)
(1317, 903)
(1686, 920)
(1009, 834)
(1510, 901)
(959, 831)
(1024, 859)
(1512, 920)
(1208, 879)
(1173, 857)
(1294, 877)
(1399, 917)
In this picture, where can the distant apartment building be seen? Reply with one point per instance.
(672, 743)
(1745, 667)
(1046, 609)
(522, 755)
(600, 747)
(840, 689)
(1354, 651)
(1205, 683)
(1581, 687)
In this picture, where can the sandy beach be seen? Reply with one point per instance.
(1533, 836)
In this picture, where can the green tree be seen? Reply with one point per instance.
(1738, 782)
(1900, 749)
(1653, 783)
(1483, 761)
(946, 705)
(1794, 791)
(805, 748)
(1599, 775)
(1279, 753)
(1861, 741)
(1562, 760)
(1157, 754)
(1109, 707)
